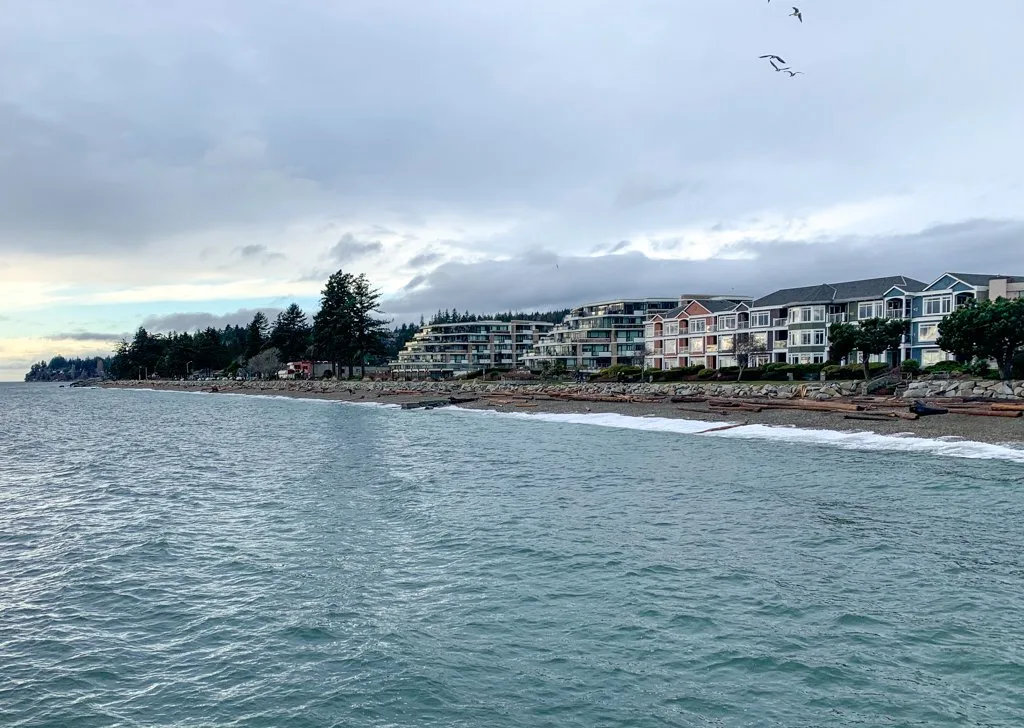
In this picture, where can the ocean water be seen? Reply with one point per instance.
(174, 559)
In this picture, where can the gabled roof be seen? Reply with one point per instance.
(981, 279)
(717, 305)
(672, 312)
(869, 288)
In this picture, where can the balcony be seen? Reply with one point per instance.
(780, 344)
(711, 348)
(780, 323)
(837, 318)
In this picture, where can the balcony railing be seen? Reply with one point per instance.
(780, 323)
(781, 344)
(711, 348)
(837, 318)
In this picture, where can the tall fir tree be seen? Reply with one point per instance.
(257, 334)
(333, 325)
(291, 334)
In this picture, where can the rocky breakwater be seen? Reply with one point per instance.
(781, 390)
(945, 388)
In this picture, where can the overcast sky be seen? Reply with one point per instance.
(188, 163)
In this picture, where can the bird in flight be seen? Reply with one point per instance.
(772, 58)
(796, 13)
(791, 73)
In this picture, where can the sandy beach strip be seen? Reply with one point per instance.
(981, 429)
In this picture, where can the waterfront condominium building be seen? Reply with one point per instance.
(702, 330)
(927, 305)
(450, 349)
(795, 321)
(598, 335)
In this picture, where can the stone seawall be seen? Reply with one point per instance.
(922, 389)
(937, 388)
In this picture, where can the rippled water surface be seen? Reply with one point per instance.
(204, 560)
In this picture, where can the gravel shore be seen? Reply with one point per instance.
(981, 429)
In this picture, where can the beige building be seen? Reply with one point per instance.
(451, 349)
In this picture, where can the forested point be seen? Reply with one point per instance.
(348, 330)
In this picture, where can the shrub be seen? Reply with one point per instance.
(945, 366)
(910, 366)
(705, 373)
(978, 368)
(832, 371)
(612, 373)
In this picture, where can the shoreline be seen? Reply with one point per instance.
(990, 430)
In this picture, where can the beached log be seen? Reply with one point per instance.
(425, 403)
(462, 400)
(868, 417)
(986, 413)
(706, 411)
(687, 398)
(721, 427)
(524, 404)
(814, 406)
(1004, 407)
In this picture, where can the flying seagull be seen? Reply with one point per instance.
(796, 13)
(772, 58)
(791, 73)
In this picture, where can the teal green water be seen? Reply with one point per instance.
(206, 560)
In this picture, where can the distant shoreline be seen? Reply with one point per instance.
(513, 398)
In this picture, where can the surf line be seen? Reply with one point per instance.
(722, 427)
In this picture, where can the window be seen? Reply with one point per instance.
(871, 309)
(670, 347)
(696, 346)
(794, 338)
(649, 331)
(927, 332)
(938, 305)
(727, 322)
(819, 338)
(794, 315)
(672, 328)
(805, 314)
(805, 338)
(725, 343)
(759, 341)
(697, 326)
(932, 356)
(818, 359)
(818, 313)
(762, 318)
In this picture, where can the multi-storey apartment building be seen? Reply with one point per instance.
(449, 349)
(598, 335)
(703, 330)
(927, 305)
(795, 321)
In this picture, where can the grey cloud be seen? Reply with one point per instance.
(258, 252)
(350, 249)
(190, 321)
(424, 259)
(237, 130)
(985, 246)
(414, 282)
(88, 336)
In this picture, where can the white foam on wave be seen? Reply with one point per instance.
(847, 440)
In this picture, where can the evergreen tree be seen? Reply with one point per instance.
(369, 333)
(333, 326)
(256, 335)
(291, 333)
